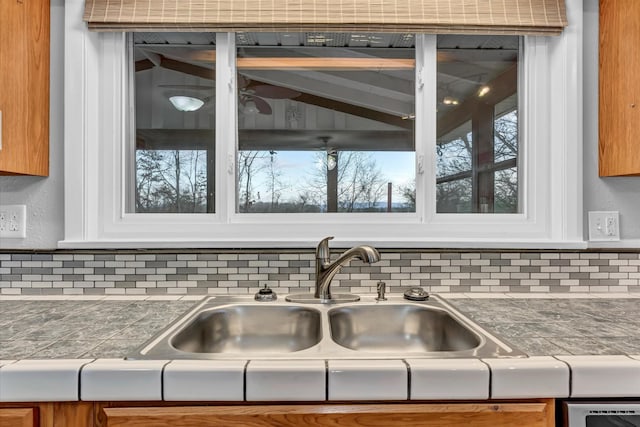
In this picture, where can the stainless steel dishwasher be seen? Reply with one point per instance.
(601, 413)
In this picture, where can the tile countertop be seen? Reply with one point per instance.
(592, 336)
(59, 329)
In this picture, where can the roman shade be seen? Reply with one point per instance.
(534, 17)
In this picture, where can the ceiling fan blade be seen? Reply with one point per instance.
(274, 92)
(243, 81)
(262, 105)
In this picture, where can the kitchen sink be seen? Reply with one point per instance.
(227, 327)
(238, 329)
(399, 327)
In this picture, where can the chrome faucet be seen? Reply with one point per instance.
(325, 269)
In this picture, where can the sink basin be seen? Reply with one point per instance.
(403, 328)
(250, 328)
(239, 328)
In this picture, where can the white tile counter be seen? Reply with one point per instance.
(604, 376)
(41, 380)
(551, 372)
(320, 380)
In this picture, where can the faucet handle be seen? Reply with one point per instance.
(322, 250)
(381, 288)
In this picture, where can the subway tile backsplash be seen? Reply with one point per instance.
(242, 272)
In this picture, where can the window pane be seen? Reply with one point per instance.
(174, 118)
(506, 156)
(506, 191)
(477, 124)
(454, 196)
(296, 181)
(325, 122)
(453, 174)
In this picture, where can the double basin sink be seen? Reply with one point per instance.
(241, 328)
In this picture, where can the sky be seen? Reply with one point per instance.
(298, 167)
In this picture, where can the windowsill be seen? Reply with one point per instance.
(310, 243)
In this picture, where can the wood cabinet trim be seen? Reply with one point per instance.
(484, 414)
(17, 417)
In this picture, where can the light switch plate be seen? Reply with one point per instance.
(604, 226)
(13, 221)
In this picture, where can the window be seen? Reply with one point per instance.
(502, 175)
(325, 122)
(477, 132)
(174, 96)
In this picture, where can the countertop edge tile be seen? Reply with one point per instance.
(41, 380)
(271, 380)
(194, 380)
(370, 379)
(456, 379)
(532, 377)
(603, 376)
(119, 379)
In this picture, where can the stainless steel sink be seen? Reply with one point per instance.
(241, 328)
(250, 328)
(405, 328)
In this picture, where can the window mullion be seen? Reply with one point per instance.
(226, 125)
(425, 126)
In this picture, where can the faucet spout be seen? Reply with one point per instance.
(326, 270)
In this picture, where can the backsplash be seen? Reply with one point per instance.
(242, 272)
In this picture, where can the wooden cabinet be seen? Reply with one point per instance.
(529, 413)
(619, 108)
(486, 414)
(24, 87)
(47, 414)
(17, 417)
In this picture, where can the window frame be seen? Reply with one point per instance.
(98, 158)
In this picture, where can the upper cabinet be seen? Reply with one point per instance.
(24, 87)
(619, 113)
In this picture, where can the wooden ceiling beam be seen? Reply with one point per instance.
(186, 68)
(326, 63)
(354, 110)
(143, 65)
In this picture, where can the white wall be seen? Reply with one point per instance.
(607, 194)
(44, 196)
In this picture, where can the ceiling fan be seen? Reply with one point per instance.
(188, 98)
(251, 95)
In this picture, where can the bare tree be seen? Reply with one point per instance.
(455, 159)
(249, 165)
(360, 181)
(148, 178)
(170, 181)
(274, 175)
(408, 192)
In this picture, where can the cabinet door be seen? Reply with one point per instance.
(24, 86)
(533, 414)
(619, 105)
(18, 417)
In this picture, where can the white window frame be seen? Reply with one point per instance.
(97, 105)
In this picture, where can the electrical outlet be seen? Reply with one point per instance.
(604, 226)
(13, 221)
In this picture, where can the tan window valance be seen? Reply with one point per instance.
(544, 17)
